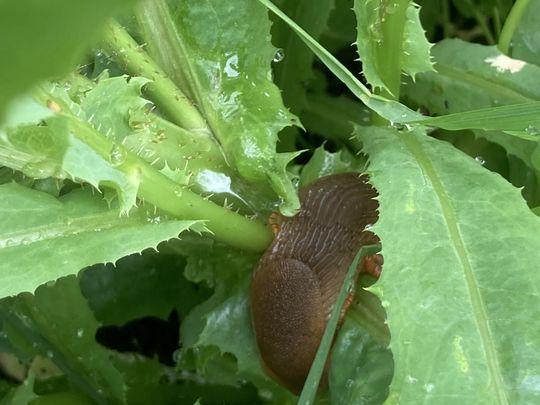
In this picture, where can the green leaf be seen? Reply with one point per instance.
(47, 39)
(46, 238)
(226, 55)
(150, 284)
(151, 382)
(463, 325)
(472, 76)
(21, 395)
(389, 109)
(390, 36)
(362, 367)
(57, 323)
(55, 150)
(416, 48)
(110, 103)
(324, 163)
(525, 43)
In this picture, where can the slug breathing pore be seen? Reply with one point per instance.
(297, 280)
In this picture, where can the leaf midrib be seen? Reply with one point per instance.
(88, 223)
(477, 303)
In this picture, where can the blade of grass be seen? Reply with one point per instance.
(515, 117)
(307, 397)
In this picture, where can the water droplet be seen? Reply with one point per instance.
(532, 130)
(117, 156)
(50, 354)
(480, 160)
(411, 379)
(349, 384)
(8, 243)
(50, 283)
(153, 219)
(177, 356)
(279, 55)
(80, 332)
(146, 153)
(429, 387)
(178, 190)
(231, 66)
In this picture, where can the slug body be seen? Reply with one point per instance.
(297, 280)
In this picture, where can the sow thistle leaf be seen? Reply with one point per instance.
(57, 323)
(110, 103)
(460, 282)
(324, 163)
(53, 151)
(475, 77)
(472, 76)
(525, 43)
(228, 54)
(46, 238)
(376, 26)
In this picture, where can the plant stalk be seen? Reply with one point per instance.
(120, 46)
(159, 190)
(164, 45)
(510, 25)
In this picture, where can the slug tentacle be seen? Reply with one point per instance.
(297, 280)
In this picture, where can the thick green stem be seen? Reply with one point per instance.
(162, 192)
(510, 25)
(121, 47)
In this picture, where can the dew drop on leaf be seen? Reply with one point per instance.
(279, 55)
(117, 156)
(80, 332)
(532, 130)
(178, 191)
(231, 66)
(480, 160)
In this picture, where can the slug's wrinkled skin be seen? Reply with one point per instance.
(297, 280)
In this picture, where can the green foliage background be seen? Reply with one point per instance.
(141, 156)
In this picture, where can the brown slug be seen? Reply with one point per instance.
(298, 278)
